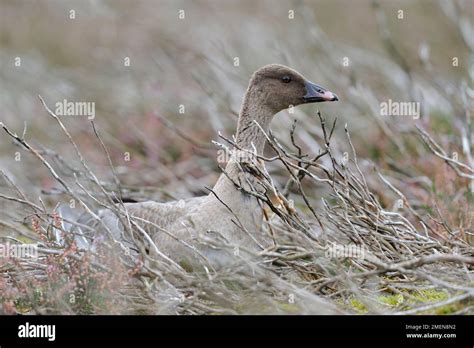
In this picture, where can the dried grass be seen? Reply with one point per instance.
(403, 197)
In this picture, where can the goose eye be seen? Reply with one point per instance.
(286, 79)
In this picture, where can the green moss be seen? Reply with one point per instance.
(406, 300)
(289, 308)
(414, 298)
(429, 295)
(357, 306)
(448, 309)
(392, 300)
(433, 296)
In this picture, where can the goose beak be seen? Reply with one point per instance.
(315, 94)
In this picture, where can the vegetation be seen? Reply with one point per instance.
(395, 188)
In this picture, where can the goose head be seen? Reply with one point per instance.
(278, 87)
(273, 88)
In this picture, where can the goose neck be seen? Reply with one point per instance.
(254, 119)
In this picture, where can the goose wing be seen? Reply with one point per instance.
(152, 216)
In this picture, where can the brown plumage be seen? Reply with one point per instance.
(195, 221)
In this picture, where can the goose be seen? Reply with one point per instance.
(181, 230)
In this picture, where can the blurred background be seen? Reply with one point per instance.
(166, 77)
(141, 62)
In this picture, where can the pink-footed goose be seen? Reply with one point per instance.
(272, 88)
